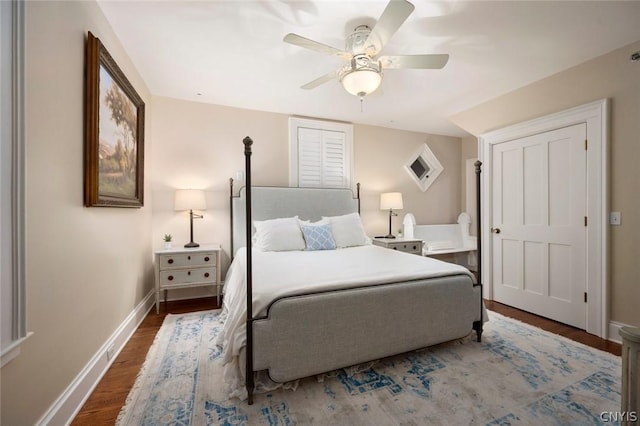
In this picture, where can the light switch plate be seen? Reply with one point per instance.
(614, 218)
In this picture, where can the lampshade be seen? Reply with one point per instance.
(190, 199)
(361, 82)
(391, 200)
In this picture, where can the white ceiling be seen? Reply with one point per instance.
(231, 52)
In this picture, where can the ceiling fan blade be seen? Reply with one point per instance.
(320, 80)
(436, 61)
(314, 45)
(394, 15)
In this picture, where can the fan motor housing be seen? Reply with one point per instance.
(355, 42)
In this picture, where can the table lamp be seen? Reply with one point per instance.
(190, 199)
(391, 201)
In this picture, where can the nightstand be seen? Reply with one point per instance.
(412, 246)
(187, 267)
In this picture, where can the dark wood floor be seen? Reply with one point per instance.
(556, 327)
(109, 396)
(105, 402)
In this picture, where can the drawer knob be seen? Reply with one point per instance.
(395, 248)
(206, 259)
(188, 272)
(206, 275)
(170, 277)
(170, 261)
(189, 257)
(415, 247)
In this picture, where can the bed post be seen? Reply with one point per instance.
(249, 349)
(477, 326)
(358, 195)
(231, 216)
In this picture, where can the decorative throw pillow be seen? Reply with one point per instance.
(318, 237)
(278, 234)
(347, 230)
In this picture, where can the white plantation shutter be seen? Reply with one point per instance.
(320, 157)
(333, 160)
(309, 157)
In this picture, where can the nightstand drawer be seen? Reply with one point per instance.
(414, 248)
(182, 260)
(187, 276)
(407, 246)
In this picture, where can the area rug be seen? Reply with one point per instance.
(518, 375)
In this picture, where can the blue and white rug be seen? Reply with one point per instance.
(518, 375)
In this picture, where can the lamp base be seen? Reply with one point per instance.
(191, 245)
(389, 236)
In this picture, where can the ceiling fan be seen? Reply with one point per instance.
(362, 75)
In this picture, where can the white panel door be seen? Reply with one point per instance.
(539, 224)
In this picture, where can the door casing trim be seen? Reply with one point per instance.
(596, 116)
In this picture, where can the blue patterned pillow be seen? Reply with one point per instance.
(318, 237)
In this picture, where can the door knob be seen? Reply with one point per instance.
(495, 230)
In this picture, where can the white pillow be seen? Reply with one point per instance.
(347, 230)
(278, 234)
(322, 221)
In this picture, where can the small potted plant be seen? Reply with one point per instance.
(167, 241)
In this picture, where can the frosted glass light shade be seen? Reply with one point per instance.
(391, 201)
(190, 199)
(361, 82)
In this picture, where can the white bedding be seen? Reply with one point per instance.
(278, 274)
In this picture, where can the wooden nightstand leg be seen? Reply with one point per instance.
(165, 298)
(218, 267)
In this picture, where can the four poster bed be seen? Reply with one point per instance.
(292, 311)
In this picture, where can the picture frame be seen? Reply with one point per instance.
(423, 167)
(114, 133)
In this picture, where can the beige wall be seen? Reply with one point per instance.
(380, 154)
(86, 268)
(611, 76)
(200, 145)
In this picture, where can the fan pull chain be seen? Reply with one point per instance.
(361, 95)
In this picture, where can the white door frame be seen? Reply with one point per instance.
(596, 116)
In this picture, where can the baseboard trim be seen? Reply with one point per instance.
(614, 331)
(73, 398)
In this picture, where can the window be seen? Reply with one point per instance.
(320, 153)
(13, 331)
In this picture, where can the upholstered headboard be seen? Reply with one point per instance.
(270, 202)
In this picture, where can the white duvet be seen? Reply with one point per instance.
(278, 274)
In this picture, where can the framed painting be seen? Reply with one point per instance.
(114, 133)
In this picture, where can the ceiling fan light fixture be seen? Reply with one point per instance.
(361, 77)
(361, 82)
